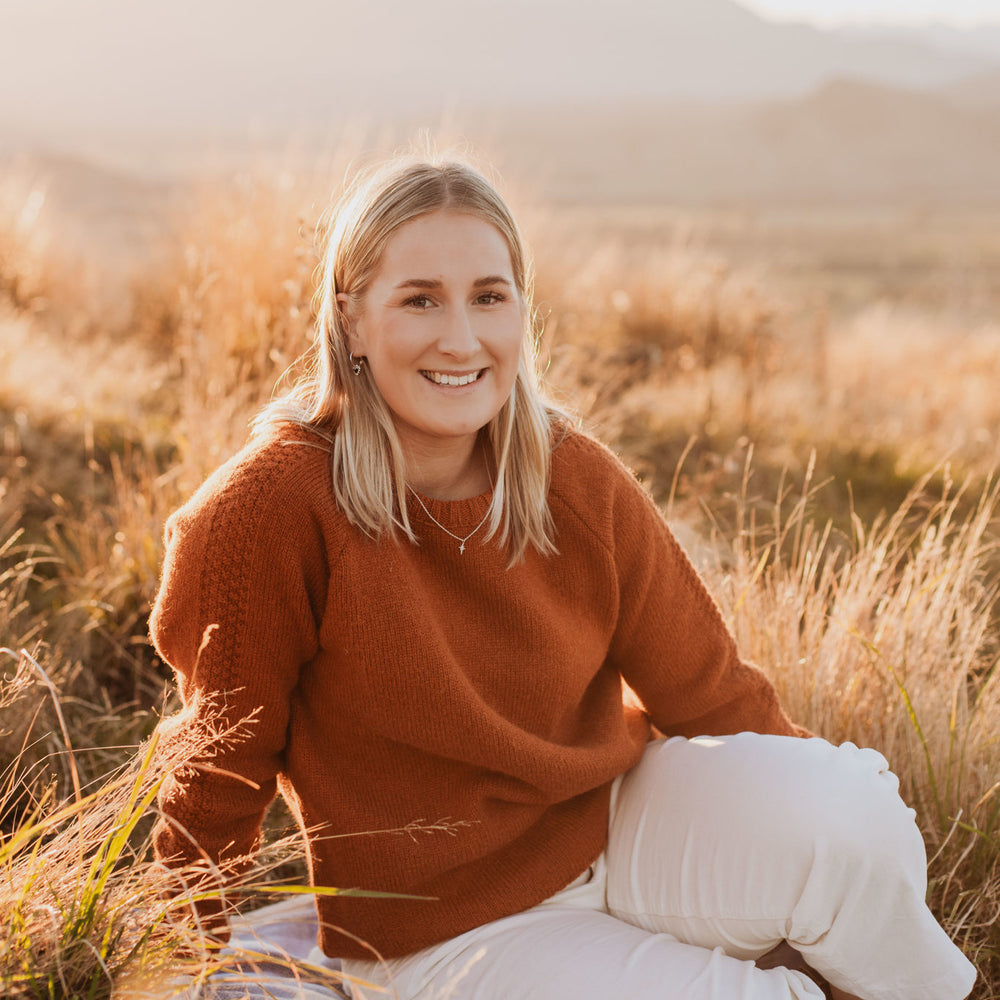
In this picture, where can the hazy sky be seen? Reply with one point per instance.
(960, 12)
(965, 12)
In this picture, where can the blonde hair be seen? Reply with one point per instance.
(368, 468)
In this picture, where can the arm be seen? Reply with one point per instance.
(671, 644)
(236, 616)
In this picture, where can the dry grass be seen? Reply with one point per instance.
(84, 910)
(891, 642)
(79, 909)
(875, 615)
(679, 345)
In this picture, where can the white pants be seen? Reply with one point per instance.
(718, 850)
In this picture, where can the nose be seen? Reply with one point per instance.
(457, 336)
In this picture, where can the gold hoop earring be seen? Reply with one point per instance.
(356, 364)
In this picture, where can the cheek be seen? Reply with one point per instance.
(505, 335)
(391, 343)
(513, 347)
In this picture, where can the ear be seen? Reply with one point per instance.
(350, 324)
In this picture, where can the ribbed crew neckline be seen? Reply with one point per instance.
(451, 513)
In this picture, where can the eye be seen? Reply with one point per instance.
(490, 298)
(418, 301)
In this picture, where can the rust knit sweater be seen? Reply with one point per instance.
(466, 718)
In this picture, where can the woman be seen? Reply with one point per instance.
(426, 589)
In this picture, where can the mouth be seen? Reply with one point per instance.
(453, 378)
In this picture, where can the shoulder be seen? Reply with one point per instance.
(279, 478)
(251, 547)
(595, 485)
(585, 469)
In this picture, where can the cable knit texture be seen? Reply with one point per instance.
(441, 725)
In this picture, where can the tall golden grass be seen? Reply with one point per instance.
(86, 912)
(890, 640)
(867, 592)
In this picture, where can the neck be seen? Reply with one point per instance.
(453, 471)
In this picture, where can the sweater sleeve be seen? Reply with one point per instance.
(236, 616)
(671, 644)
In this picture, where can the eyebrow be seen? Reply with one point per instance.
(434, 283)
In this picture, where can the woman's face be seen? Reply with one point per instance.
(441, 326)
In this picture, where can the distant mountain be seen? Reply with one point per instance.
(982, 90)
(983, 40)
(857, 140)
(847, 143)
(168, 68)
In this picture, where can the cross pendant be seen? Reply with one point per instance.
(461, 549)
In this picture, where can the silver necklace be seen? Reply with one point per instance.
(459, 539)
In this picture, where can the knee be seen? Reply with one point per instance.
(845, 800)
(790, 793)
(855, 800)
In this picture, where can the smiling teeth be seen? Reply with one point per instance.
(442, 379)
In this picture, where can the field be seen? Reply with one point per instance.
(811, 397)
